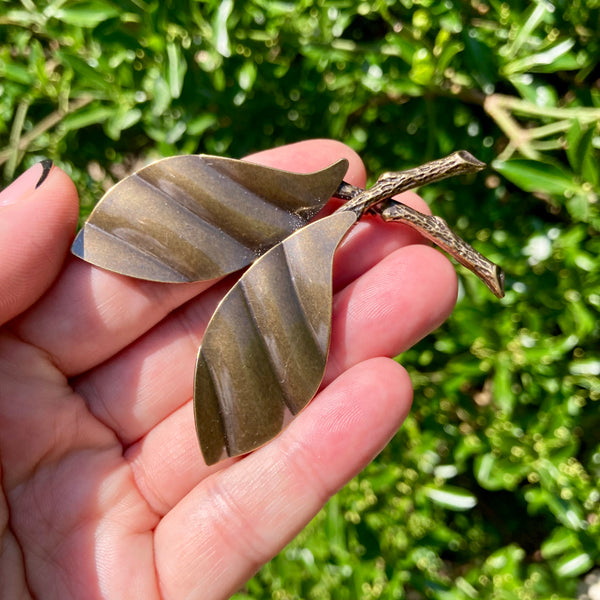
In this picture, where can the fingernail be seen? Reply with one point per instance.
(26, 183)
(46, 166)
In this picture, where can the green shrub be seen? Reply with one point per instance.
(490, 490)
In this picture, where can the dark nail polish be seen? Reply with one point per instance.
(46, 166)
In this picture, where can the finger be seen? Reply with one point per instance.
(371, 240)
(38, 214)
(140, 387)
(240, 517)
(379, 315)
(394, 305)
(91, 314)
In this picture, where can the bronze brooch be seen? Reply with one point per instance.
(192, 218)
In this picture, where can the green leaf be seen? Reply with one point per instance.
(15, 73)
(499, 473)
(221, 35)
(560, 541)
(89, 115)
(86, 14)
(574, 564)
(535, 91)
(581, 153)
(569, 513)
(176, 132)
(25, 18)
(556, 58)
(247, 75)
(451, 497)
(539, 11)
(488, 473)
(503, 394)
(587, 366)
(480, 59)
(161, 99)
(176, 69)
(423, 67)
(89, 77)
(120, 121)
(579, 207)
(535, 176)
(505, 560)
(200, 124)
(450, 50)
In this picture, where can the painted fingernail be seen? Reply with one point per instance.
(46, 166)
(26, 183)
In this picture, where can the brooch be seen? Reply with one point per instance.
(196, 217)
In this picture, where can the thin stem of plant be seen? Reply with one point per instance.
(15, 137)
(433, 228)
(502, 108)
(44, 125)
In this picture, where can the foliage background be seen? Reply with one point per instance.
(490, 490)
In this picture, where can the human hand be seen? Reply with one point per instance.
(105, 491)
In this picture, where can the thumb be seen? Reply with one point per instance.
(38, 215)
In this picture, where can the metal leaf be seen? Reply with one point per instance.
(264, 352)
(199, 217)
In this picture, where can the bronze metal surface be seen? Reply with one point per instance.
(198, 217)
(264, 351)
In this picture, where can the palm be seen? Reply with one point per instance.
(106, 492)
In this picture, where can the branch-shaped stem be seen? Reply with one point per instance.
(390, 184)
(437, 230)
(433, 228)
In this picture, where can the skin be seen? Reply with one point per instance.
(105, 493)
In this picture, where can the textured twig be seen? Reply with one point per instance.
(437, 230)
(433, 228)
(390, 184)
